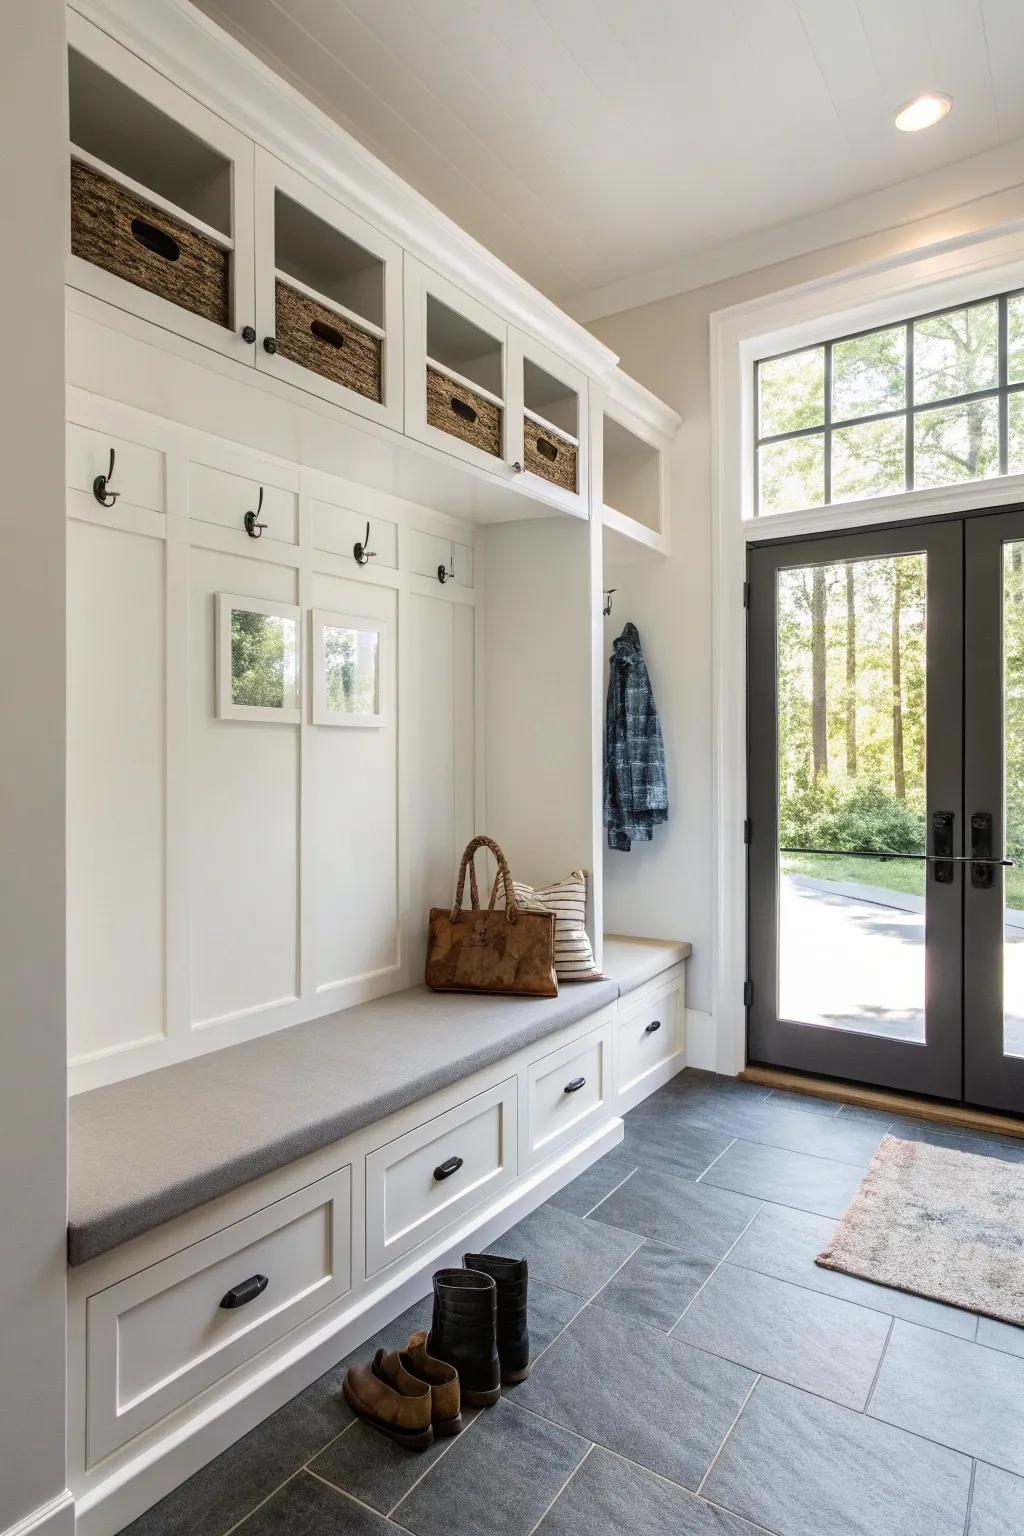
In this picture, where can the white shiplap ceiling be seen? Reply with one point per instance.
(588, 141)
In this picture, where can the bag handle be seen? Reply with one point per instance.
(504, 873)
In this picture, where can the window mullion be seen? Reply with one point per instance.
(908, 385)
(828, 423)
(1004, 398)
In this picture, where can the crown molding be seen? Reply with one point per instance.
(206, 62)
(921, 208)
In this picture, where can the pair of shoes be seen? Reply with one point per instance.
(479, 1325)
(407, 1394)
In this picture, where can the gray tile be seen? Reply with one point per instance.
(550, 1309)
(371, 1467)
(652, 1398)
(1002, 1336)
(811, 1341)
(659, 1135)
(497, 1480)
(806, 1103)
(700, 1221)
(783, 1242)
(694, 1082)
(594, 1183)
(818, 1135)
(655, 1285)
(608, 1497)
(565, 1251)
(954, 1392)
(307, 1507)
(803, 1467)
(1009, 1149)
(997, 1503)
(787, 1178)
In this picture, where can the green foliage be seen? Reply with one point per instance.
(849, 817)
(259, 659)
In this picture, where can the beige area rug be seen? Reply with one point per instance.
(938, 1223)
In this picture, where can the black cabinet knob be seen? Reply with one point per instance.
(446, 1169)
(240, 1295)
(270, 344)
(575, 1086)
(249, 334)
(654, 1025)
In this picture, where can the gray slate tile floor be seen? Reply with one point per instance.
(695, 1373)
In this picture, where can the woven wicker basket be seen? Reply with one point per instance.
(549, 455)
(117, 231)
(463, 413)
(319, 338)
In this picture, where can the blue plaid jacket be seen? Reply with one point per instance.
(635, 787)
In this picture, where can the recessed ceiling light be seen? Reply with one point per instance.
(923, 112)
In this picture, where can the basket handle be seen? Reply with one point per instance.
(547, 449)
(327, 333)
(511, 910)
(463, 408)
(156, 239)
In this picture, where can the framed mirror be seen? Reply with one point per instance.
(259, 657)
(351, 670)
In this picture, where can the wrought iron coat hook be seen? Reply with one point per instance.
(100, 486)
(251, 521)
(360, 553)
(447, 573)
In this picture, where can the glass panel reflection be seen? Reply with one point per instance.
(1013, 797)
(851, 692)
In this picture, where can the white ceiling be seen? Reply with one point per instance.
(588, 141)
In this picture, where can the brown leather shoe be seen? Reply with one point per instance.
(387, 1395)
(445, 1398)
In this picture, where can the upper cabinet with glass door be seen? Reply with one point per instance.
(456, 372)
(328, 296)
(548, 430)
(161, 220)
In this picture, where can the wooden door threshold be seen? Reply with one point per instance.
(887, 1101)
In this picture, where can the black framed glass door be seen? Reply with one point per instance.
(855, 752)
(993, 893)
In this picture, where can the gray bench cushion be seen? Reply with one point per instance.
(155, 1146)
(633, 962)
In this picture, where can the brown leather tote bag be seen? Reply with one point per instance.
(486, 950)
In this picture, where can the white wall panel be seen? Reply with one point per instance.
(243, 811)
(351, 790)
(116, 735)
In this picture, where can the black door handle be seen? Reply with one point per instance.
(942, 847)
(240, 1295)
(446, 1169)
(654, 1025)
(982, 863)
(575, 1086)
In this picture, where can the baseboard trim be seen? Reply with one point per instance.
(962, 1116)
(57, 1518)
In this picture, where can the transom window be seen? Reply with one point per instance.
(935, 400)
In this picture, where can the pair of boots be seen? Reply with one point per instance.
(478, 1339)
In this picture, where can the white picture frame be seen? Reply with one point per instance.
(371, 700)
(231, 687)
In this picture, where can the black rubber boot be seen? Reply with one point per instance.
(510, 1276)
(464, 1332)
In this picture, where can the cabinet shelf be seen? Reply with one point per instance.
(549, 426)
(146, 194)
(321, 298)
(467, 383)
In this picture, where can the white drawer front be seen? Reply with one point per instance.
(648, 1034)
(407, 1195)
(565, 1090)
(339, 529)
(138, 474)
(159, 1337)
(218, 496)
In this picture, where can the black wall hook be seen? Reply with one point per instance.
(607, 609)
(253, 527)
(360, 553)
(105, 497)
(444, 573)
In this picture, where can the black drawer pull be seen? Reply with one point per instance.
(654, 1025)
(156, 240)
(463, 408)
(249, 1289)
(445, 1170)
(329, 333)
(575, 1086)
(547, 449)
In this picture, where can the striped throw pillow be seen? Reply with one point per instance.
(567, 899)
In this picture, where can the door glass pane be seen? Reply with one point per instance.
(851, 698)
(1013, 795)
